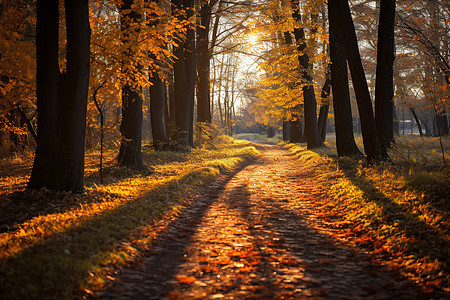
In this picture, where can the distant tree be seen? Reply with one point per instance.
(313, 138)
(322, 121)
(61, 96)
(285, 130)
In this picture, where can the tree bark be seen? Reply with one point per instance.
(130, 128)
(157, 105)
(159, 113)
(191, 70)
(313, 138)
(61, 98)
(416, 118)
(286, 130)
(384, 84)
(345, 141)
(270, 131)
(203, 65)
(368, 126)
(184, 80)
(322, 122)
(323, 111)
(296, 131)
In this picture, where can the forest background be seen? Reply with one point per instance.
(236, 65)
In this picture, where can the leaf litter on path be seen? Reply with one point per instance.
(257, 238)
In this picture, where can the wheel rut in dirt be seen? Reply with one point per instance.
(251, 236)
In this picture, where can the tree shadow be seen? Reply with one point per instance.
(71, 254)
(327, 269)
(435, 190)
(21, 206)
(395, 214)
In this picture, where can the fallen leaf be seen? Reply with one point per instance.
(185, 279)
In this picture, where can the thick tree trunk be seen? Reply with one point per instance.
(313, 138)
(345, 141)
(130, 128)
(203, 65)
(61, 99)
(384, 85)
(157, 101)
(368, 126)
(159, 114)
(191, 70)
(184, 80)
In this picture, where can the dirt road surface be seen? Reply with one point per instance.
(253, 236)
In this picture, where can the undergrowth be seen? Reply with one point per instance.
(64, 245)
(397, 212)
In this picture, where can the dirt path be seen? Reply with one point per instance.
(252, 237)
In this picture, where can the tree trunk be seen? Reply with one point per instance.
(323, 121)
(27, 121)
(313, 138)
(285, 130)
(368, 126)
(323, 111)
(203, 65)
(396, 122)
(157, 105)
(270, 131)
(131, 125)
(416, 118)
(191, 70)
(130, 128)
(345, 141)
(61, 98)
(442, 127)
(384, 85)
(295, 131)
(184, 80)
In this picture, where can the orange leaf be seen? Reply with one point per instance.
(255, 262)
(185, 279)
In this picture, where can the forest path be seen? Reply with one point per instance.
(253, 236)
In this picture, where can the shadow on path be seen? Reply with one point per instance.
(243, 240)
(151, 278)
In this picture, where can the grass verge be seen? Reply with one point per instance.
(397, 213)
(72, 243)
